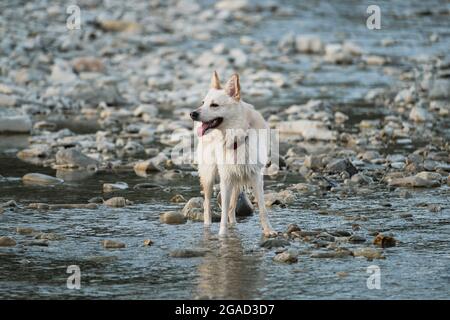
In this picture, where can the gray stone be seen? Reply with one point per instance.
(73, 158)
(40, 179)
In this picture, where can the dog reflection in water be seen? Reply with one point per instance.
(226, 272)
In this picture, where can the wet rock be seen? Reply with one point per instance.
(274, 243)
(434, 207)
(97, 200)
(440, 89)
(293, 227)
(46, 206)
(61, 73)
(87, 64)
(49, 236)
(37, 243)
(384, 241)
(44, 125)
(244, 207)
(336, 53)
(407, 95)
(35, 154)
(338, 253)
(187, 253)
(309, 44)
(421, 180)
(371, 155)
(281, 198)
(155, 164)
(419, 114)
(178, 198)
(7, 100)
(110, 244)
(308, 129)
(368, 253)
(15, 124)
(193, 208)
(73, 158)
(9, 204)
(287, 43)
(341, 165)
(110, 187)
(340, 233)
(288, 256)
(148, 242)
(325, 236)
(340, 117)
(172, 217)
(356, 239)
(313, 162)
(7, 242)
(146, 111)
(361, 179)
(40, 179)
(119, 26)
(25, 231)
(117, 202)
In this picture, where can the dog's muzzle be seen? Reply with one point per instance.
(194, 115)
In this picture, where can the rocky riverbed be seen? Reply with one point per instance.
(90, 118)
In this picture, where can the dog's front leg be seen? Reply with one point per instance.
(258, 189)
(207, 183)
(225, 194)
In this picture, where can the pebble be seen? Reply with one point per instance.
(356, 239)
(7, 242)
(110, 244)
(339, 253)
(73, 158)
(172, 217)
(117, 202)
(40, 179)
(384, 241)
(368, 253)
(25, 230)
(148, 242)
(288, 256)
(274, 243)
(110, 187)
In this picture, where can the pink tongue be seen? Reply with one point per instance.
(201, 130)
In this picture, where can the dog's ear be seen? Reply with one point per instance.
(215, 82)
(233, 88)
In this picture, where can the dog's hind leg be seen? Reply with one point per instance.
(233, 202)
(258, 189)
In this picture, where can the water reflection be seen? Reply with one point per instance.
(226, 272)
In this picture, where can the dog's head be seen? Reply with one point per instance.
(220, 107)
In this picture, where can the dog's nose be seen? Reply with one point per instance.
(194, 115)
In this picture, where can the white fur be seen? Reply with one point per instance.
(216, 145)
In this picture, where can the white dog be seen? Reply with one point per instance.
(226, 126)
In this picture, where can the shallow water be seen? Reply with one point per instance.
(236, 267)
(233, 268)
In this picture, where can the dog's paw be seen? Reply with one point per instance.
(223, 232)
(269, 233)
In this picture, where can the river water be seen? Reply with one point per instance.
(236, 267)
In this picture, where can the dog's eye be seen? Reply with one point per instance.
(214, 105)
